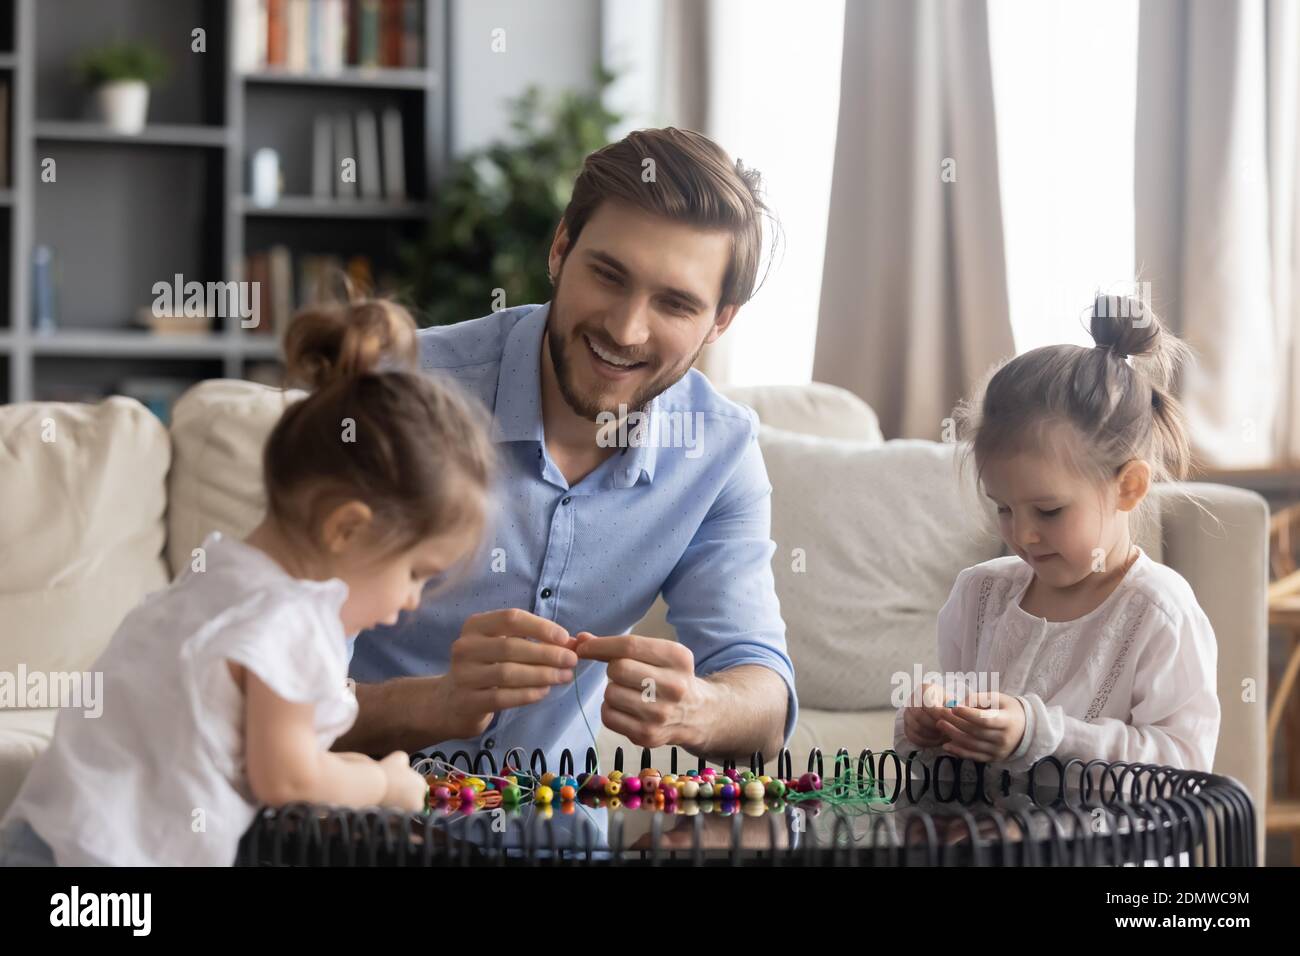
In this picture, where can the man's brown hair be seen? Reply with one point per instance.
(691, 180)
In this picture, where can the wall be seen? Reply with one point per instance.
(555, 44)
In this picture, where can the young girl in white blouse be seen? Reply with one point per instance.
(1097, 651)
(225, 690)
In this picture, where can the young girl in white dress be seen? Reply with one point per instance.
(1097, 651)
(225, 690)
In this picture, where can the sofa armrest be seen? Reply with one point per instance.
(1224, 557)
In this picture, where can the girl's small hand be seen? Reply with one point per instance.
(988, 732)
(919, 723)
(406, 788)
(920, 727)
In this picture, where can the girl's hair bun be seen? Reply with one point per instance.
(1124, 325)
(330, 343)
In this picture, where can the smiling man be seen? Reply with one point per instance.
(657, 250)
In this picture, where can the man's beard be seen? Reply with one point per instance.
(586, 406)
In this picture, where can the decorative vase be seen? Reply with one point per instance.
(123, 105)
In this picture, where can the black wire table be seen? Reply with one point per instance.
(895, 811)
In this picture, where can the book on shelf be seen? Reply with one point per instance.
(4, 132)
(322, 144)
(345, 148)
(368, 169)
(290, 281)
(323, 36)
(276, 33)
(280, 268)
(375, 147)
(296, 38)
(394, 155)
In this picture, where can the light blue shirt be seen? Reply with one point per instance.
(686, 511)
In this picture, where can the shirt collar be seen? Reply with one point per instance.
(517, 415)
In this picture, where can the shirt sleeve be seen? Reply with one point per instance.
(721, 595)
(1175, 706)
(284, 644)
(955, 636)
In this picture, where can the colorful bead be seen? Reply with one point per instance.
(567, 793)
(547, 778)
(613, 788)
(632, 784)
(705, 790)
(616, 775)
(441, 793)
(543, 795)
(690, 790)
(775, 788)
(511, 795)
(727, 791)
(753, 790)
(809, 782)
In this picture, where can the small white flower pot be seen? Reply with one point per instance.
(123, 105)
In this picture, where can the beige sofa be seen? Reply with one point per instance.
(100, 504)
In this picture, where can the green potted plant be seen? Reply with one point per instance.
(120, 76)
(497, 208)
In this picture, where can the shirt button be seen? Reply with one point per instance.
(490, 743)
(567, 499)
(546, 592)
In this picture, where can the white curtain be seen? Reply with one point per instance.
(1218, 109)
(708, 66)
(914, 293)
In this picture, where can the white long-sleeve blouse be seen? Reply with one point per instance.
(1132, 680)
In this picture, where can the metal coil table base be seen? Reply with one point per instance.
(950, 812)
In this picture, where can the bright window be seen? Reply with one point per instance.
(1065, 85)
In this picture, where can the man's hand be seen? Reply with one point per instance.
(989, 731)
(501, 659)
(653, 696)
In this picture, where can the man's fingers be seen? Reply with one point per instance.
(501, 698)
(487, 650)
(628, 701)
(508, 674)
(516, 622)
(620, 722)
(650, 650)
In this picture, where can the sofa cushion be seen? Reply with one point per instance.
(827, 411)
(218, 430)
(24, 735)
(83, 490)
(869, 541)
